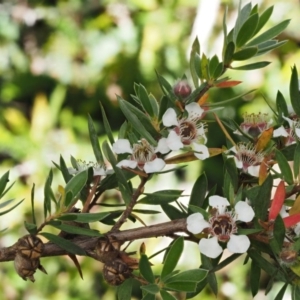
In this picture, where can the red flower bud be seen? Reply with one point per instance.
(182, 89)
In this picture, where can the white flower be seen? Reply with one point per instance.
(221, 227)
(81, 165)
(247, 158)
(187, 131)
(143, 155)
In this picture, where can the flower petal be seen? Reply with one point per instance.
(162, 146)
(244, 211)
(170, 118)
(297, 132)
(195, 223)
(210, 247)
(254, 170)
(155, 165)
(98, 171)
(291, 122)
(238, 163)
(201, 151)
(218, 202)
(122, 146)
(238, 243)
(174, 141)
(194, 110)
(127, 163)
(280, 131)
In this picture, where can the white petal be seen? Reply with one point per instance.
(162, 146)
(233, 149)
(170, 118)
(283, 213)
(210, 247)
(238, 243)
(122, 146)
(194, 110)
(174, 141)
(72, 171)
(99, 171)
(280, 132)
(218, 201)
(127, 163)
(297, 229)
(196, 223)
(238, 163)
(204, 153)
(291, 122)
(253, 170)
(297, 131)
(155, 165)
(244, 211)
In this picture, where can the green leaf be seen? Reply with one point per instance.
(166, 296)
(218, 71)
(212, 282)
(139, 121)
(106, 125)
(154, 105)
(31, 228)
(149, 297)
(295, 292)
(194, 275)
(75, 229)
(145, 269)
(294, 91)
(150, 288)
(232, 171)
(245, 53)
(172, 257)
(124, 290)
(32, 205)
(184, 286)
(225, 262)
(161, 197)
(247, 30)
(254, 277)
(257, 65)
(274, 45)
(281, 106)
(228, 188)
(279, 232)
(145, 101)
(213, 64)
(64, 169)
(83, 217)
(263, 19)
(3, 182)
(296, 164)
(199, 191)
(284, 167)
(163, 106)
(243, 15)
(269, 34)
(195, 51)
(48, 194)
(95, 141)
(229, 51)
(74, 186)
(172, 212)
(281, 293)
(63, 243)
(166, 87)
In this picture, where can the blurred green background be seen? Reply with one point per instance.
(59, 59)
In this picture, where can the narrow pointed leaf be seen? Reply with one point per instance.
(199, 191)
(95, 141)
(253, 66)
(83, 217)
(247, 30)
(145, 269)
(124, 290)
(75, 229)
(106, 125)
(166, 296)
(3, 181)
(161, 197)
(294, 91)
(284, 167)
(195, 51)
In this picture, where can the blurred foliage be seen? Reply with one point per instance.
(58, 59)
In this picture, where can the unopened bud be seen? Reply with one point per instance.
(182, 89)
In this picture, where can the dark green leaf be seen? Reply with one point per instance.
(243, 15)
(195, 51)
(166, 296)
(245, 53)
(48, 193)
(83, 217)
(229, 54)
(294, 91)
(279, 233)
(284, 167)
(149, 297)
(31, 228)
(264, 18)
(161, 197)
(154, 105)
(194, 275)
(247, 30)
(213, 64)
(75, 185)
(295, 292)
(166, 88)
(145, 269)
(172, 212)
(64, 169)
(232, 171)
(218, 71)
(263, 50)
(63, 243)
(269, 34)
(106, 125)
(32, 205)
(94, 141)
(150, 288)
(199, 191)
(172, 257)
(212, 282)
(184, 286)
(226, 262)
(297, 161)
(139, 121)
(281, 106)
(281, 293)
(145, 101)
(254, 277)
(257, 65)
(228, 189)
(163, 106)
(3, 182)
(75, 229)
(124, 290)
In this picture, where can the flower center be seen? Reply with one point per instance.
(187, 131)
(222, 226)
(247, 154)
(143, 153)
